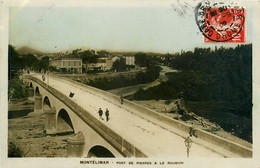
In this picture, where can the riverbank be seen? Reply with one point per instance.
(27, 133)
(131, 90)
(169, 108)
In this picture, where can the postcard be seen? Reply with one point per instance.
(122, 83)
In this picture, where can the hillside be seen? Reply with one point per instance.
(27, 50)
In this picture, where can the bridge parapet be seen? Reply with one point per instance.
(208, 140)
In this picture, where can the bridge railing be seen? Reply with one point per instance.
(122, 145)
(206, 136)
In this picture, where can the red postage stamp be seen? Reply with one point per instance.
(219, 22)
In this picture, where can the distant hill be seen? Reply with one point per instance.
(133, 53)
(27, 50)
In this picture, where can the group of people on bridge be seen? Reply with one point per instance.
(100, 113)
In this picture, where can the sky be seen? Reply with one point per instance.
(148, 29)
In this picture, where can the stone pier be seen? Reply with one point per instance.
(38, 103)
(76, 145)
(50, 120)
(30, 93)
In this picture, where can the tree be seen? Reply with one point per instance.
(52, 69)
(14, 61)
(89, 56)
(28, 60)
(119, 65)
(36, 65)
(141, 59)
(44, 63)
(103, 53)
(16, 89)
(75, 52)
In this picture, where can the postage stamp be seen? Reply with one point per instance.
(221, 22)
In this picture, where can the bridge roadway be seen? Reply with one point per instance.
(153, 139)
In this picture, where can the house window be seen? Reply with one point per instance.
(63, 63)
(79, 63)
(75, 63)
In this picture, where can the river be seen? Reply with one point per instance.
(130, 90)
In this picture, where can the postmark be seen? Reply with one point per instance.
(221, 22)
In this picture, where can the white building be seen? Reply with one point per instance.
(130, 60)
(69, 63)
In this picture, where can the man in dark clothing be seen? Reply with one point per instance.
(121, 99)
(100, 113)
(43, 77)
(193, 132)
(107, 114)
(71, 94)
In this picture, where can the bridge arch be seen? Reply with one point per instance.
(46, 101)
(100, 152)
(37, 91)
(31, 85)
(64, 123)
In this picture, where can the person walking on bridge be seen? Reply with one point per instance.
(121, 99)
(107, 114)
(43, 77)
(100, 113)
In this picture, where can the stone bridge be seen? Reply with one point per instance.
(132, 130)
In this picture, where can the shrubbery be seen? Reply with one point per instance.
(219, 82)
(222, 75)
(16, 89)
(14, 150)
(122, 81)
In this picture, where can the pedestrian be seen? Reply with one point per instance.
(121, 99)
(192, 132)
(71, 94)
(107, 114)
(100, 113)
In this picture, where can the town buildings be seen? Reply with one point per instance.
(72, 63)
(67, 64)
(104, 64)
